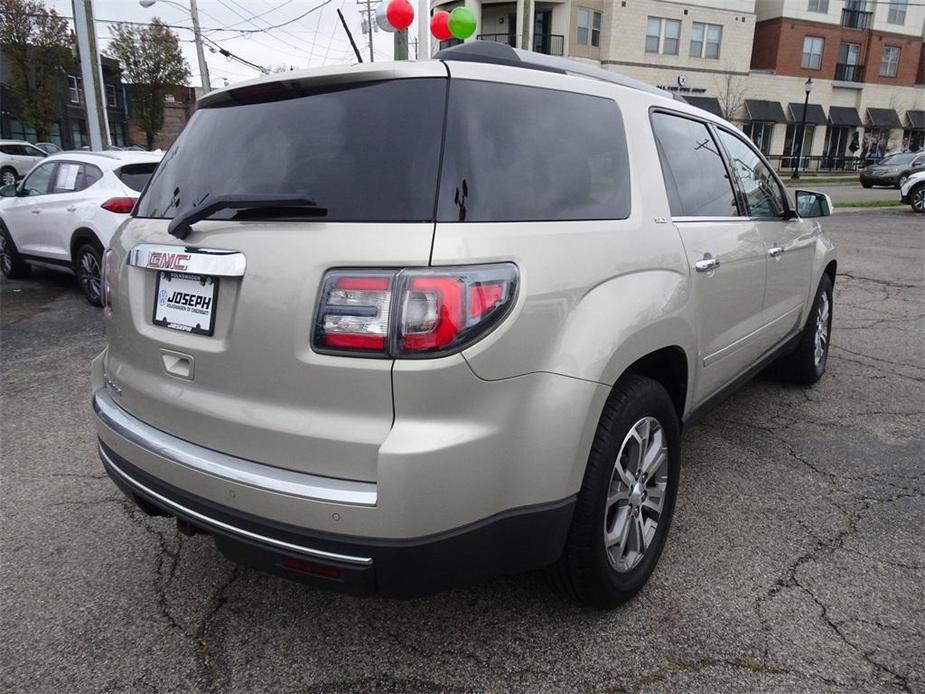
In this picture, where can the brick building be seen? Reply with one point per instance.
(749, 60)
(178, 107)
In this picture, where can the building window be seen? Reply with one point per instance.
(759, 132)
(589, 27)
(73, 89)
(116, 134)
(792, 145)
(812, 53)
(897, 13)
(111, 101)
(889, 61)
(818, 6)
(663, 35)
(705, 40)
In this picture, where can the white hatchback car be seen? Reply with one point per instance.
(65, 211)
(16, 158)
(913, 191)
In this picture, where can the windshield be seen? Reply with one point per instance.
(898, 159)
(366, 152)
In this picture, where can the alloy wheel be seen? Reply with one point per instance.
(636, 494)
(918, 199)
(8, 178)
(902, 180)
(6, 257)
(822, 330)
(90, 275)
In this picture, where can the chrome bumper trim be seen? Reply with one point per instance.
(212, 522)
(229, 468)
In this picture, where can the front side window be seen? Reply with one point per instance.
(506, 160)
(897, 12)
(759, 187)
(889, 61)
(36, 183)
(812, 53)
(818, 6)
(705, 40)
(695, 176)
(663, 35)
(32, 151)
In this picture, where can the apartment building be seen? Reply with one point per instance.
(749, 61)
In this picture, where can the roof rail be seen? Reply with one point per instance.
(502, 54)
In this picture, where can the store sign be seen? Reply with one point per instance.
(682, 87)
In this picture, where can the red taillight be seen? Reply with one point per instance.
(409, 313)
(120, 205)
(310, 567)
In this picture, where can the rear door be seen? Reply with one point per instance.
(724, 249)
(248, 382)
(788, 240)
(59, 209)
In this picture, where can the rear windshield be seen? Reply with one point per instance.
(372, 152)
(136, 176)
(367, 154)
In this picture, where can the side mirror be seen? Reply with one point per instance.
(811, 204)
(8, 191)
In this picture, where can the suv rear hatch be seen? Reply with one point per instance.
(244, 379)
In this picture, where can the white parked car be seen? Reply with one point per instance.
(913, 191)
(16, 158)
(66, 210)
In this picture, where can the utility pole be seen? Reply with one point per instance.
(366, 7)
(401, 44)
(91, 75)
(422, 47)
(197, 35)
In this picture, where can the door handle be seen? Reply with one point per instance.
(776, 252)
(71, 209)
(36, 212)
(708, 264)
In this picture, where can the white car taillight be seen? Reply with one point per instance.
(413, 312)
(106, 277)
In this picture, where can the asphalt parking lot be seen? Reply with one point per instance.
(796, 561)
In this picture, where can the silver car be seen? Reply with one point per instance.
(396, 327)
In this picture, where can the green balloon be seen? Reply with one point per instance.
(462, 23)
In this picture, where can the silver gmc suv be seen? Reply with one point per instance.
(397, 327)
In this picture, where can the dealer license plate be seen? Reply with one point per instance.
(185, 302)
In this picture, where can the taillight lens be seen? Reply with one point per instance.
(120, 205)
(413, 312)
(108, 266)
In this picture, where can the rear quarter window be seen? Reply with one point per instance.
(517, 153)
(136, 176)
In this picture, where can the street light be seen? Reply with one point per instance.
(807, 87)
(194, 14)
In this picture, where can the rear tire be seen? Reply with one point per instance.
(8, 176)
(627, 497)
(867, 185)
(87, 267)
(11, 264)
(807, 363)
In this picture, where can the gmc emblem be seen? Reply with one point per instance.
(168, 261)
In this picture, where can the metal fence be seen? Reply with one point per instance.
(821, 164)
(550, 44)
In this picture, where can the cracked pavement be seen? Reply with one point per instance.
(796, 559)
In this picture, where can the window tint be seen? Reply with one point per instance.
(90, 174)
(695, 176)
(760, 189)
(367, 152)
(526, 154)
(31, 151)
(136, 176)
(36, 183)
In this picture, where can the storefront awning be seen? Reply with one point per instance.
(916, 119)
(707, 103)
(844, 116)
(769, 111)
(814, 114)
(883, 118)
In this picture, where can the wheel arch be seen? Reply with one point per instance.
(83, 235)
(667, 366)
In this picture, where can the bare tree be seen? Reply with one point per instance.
(36, 41)
(731, 92)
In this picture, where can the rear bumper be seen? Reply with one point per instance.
(507, 543)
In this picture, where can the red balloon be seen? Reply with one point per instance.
(400, 14)
(440, 26)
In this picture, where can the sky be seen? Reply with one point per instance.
(315, 40)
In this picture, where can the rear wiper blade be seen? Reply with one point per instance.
(181, 225)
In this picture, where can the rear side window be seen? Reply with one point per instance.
(367, 152)
(91, 175)
(518, 153)
(136, 176)
(695, 177)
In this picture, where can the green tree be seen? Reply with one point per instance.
(37, 45)
(152, 64)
